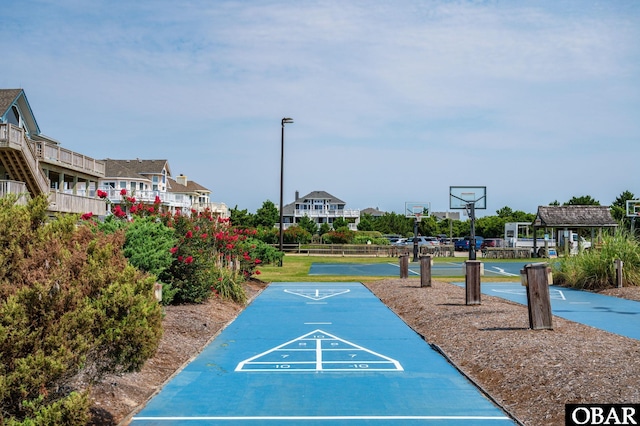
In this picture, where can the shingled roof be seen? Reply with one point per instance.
(133, 168)
(191, 186)
(574, 217)
(7, 96)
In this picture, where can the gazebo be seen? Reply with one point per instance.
(576, 217)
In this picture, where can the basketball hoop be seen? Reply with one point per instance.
(418, 217)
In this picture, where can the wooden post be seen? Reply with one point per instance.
(404, 265)
(472, 281)
(425, 271)
(618, 263)
(157, 291)
(538, 300)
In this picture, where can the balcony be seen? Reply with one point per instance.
(59, 202)
(51, 153)
(219, 209)
(327, 213)
(178, 201)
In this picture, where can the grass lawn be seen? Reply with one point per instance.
(296, 268)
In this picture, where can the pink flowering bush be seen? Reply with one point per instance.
(207, 255)
(207, 258)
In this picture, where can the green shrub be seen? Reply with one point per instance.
(70, 304)
(265, 253)
(148, 243)
(369, 237)
(268, 235)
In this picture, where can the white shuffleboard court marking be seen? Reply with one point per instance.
(471, 419)
(317, 294)
(398, 266)
(318, 351)
(501, 271)
(553, 293)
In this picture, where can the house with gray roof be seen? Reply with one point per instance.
(147, 179)
(199, 196)
(321, 207)
(32, 164)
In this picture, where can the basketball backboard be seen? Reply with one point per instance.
(633, 208)
(417, 210)
(461, 196)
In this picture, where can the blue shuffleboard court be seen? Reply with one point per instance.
(613, 314)
(319, 353)
(388, 269)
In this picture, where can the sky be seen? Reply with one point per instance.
(392, 101)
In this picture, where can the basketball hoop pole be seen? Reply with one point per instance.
(415, 238)
(472, 240)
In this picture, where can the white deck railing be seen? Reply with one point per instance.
(52, 153)
(14, 187)
(327, 213)
(181, 201)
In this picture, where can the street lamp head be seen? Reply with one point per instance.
(287, 120)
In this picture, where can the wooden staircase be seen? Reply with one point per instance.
(18, 158)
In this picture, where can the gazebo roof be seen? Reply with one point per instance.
(574, 217)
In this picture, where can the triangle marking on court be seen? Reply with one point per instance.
(318, 351)
(317, 294)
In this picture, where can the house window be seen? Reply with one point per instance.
(132, 185)
(164, 176)
(14, 117)
(123, 185)
(141, 186)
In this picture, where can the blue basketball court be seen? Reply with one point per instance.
(613, 314)
(319, 353)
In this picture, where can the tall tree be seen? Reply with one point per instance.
(267, 216)
(504, 212)
(240, 218)
(366, 223)
(308, 225)
(584, 200)
(619, 205)
(340, 222)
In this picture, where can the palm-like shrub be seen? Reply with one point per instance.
(595, 269)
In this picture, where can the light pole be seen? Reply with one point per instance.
(285, 120)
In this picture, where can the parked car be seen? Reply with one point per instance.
(449, 241)
(392, 238)
(399, 242)
(492, 242)
(463, 244)
(422, 241)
